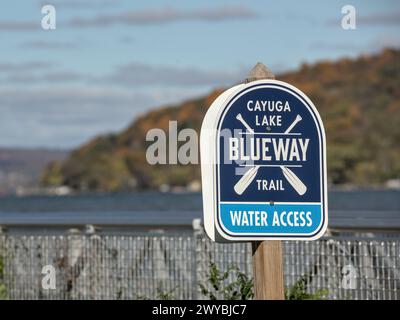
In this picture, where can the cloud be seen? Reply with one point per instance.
(166, 15)
(62, 76)
(52, 45)
(31, 78)
(48, 105)
(334, 46)
(64, 117)
(376, 19)
(374, 45)
(140, 74)
(127, 39)
(81, 4)
(24, 66)
(20, 25)
(383, 19)
(59, 76)
(36, 72)
(126, 75)
(145, 17)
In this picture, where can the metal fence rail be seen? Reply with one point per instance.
(139, 266)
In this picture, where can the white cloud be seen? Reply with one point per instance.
(81, 4)
(373, 45)
(19, 25)
(128, 74)
(6, 66)
(389, 18)
(383, 18)
(53, 45)
(166, 15)
(68, 116)
(140, 74)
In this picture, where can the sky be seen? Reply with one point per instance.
(109, 61)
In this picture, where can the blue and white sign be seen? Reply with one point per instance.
(264, 161)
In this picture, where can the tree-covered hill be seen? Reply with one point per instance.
(359, 102)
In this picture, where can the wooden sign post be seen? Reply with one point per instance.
(268, 270)
(267, 255)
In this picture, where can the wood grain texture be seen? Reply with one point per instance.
(268, 270)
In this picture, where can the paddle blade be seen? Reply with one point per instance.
(294, 181)
(245, 180)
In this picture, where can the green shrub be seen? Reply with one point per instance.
(165, 295)
(299, 292)
(240, 289)
(161, 295)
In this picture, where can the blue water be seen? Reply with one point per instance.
(381, 200)
(352, 208)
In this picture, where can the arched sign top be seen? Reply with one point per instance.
(266, 165)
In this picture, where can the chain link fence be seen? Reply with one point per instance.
(142, 266)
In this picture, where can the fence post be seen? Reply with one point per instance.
(197, 229)
(267, 255)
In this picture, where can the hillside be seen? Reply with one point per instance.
(359, 102)
(23, 167)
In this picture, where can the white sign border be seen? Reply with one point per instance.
(207, 154)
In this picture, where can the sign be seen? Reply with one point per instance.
(263, 155)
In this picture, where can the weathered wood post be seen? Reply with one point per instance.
(267, 255)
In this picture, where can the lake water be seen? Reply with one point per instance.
(359, 209)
